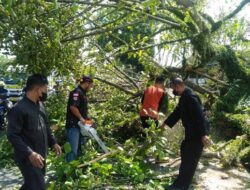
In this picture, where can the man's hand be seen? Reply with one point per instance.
(57, 149)
(82, 120)
(36, 160)
(206, 141)
(153, 114)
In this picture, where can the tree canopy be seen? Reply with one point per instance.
(126, 43)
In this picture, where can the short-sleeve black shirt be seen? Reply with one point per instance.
(77, 98)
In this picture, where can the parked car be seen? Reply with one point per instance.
(15, 92)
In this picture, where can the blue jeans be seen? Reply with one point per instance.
(75, 140)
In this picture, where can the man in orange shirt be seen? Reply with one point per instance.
(154, 99)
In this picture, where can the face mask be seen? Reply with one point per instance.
(175, 93)
(44, 97)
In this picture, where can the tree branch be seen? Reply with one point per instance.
(211, 78)
(208, 18)
(154, 17)
(98, 159)
(98, 31)
(119, 70)
(116, 86)
(199, 89)
(99, 26)
(218, 24)
(84, 3)
(158, 18)
(159, 44)
(190, 70)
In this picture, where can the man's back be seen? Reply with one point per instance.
(151, 100)
(189, 110)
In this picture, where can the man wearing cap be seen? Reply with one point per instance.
(153, 100)
(77, 110)
(189, 110)
(30, 134)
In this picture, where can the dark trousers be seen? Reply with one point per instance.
(145, 122)
(190, 156)
(33, 176)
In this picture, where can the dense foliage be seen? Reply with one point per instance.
(124, 45)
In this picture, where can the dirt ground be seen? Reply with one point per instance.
(213, 176)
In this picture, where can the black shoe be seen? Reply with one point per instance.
(172, 187)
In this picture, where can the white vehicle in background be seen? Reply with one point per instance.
(15, 92)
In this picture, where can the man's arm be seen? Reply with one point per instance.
(15, 125)
(76, 112)
(51, 138)
(173, 118)
(52, 141)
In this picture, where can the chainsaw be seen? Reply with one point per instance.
(88, 131)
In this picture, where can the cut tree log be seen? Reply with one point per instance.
(98, 159)
(211, 78)
(200, 89)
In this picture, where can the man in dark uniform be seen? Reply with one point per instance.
(77, 110)
(153, 101)
(3, 98)
(3, 91)
(30, 134)
(189, 110)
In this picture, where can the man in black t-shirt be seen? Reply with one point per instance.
(77, 110)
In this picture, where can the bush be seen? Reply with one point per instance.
(56, 111)
(231, 125)
(6, 152)
(234, 151)
(245, 156)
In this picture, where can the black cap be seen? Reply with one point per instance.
(35, 80)
(86, 79)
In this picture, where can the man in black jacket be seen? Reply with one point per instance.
(189, 110)
(29, 133)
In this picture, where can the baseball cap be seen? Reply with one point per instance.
(86, 79)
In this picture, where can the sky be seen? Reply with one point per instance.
(214, 8)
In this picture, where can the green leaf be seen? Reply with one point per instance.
(67, 147)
